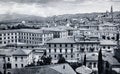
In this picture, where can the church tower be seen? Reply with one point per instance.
(111, 13)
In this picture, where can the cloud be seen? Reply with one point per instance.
(55, 7)
(29, 1)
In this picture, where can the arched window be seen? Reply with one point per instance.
(108, 38)
(103, 37)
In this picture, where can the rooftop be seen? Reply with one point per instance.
(62, 40)
(48, 69)
(108, 42)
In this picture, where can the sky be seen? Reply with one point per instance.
(46, 8)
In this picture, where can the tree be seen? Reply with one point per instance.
(61, 59)
(100, 62)
(46, 60)
(45, 53)
(0, 72)
(117, 37)
(84, 63)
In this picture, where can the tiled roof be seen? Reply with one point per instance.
(111, 59)
(53, 29)
(108, 42)
(92, 56)
(19, 52)
(84, 70)
(62, 40)
(63, 69)
(6, 52)
(48, 69)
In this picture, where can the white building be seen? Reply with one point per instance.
(28, 36)
(64, 46)
(72, 48)
(10, 58)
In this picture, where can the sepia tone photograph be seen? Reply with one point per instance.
(59, 36)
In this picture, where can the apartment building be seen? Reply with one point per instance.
(27, 36)
(71, 48)
(10, 58)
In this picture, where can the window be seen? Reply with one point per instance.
(3, 58)
(4, 42)
(66, 56)
(108, 47)
(94, 65)
(49, 50)
(71, 50)
(9, 66)
(54, 45)
(21, 65)
(103, 47)
(77, 55)
(21, 58)
(90, 65)
(71, 56)
(71, 45)
(54, 50)
(60, 45)
(65, 45)
(60, 50)
(16, 65)
(65, 50)
(49, 45)
(15, 58)
(8, 59)
(55, 56)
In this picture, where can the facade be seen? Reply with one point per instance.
(108, 45)
(48, 69)
(28, 36)
(11, 59)
(72, 48)
(57, 33)
(92, 62)
(108, 31)
(64, 46)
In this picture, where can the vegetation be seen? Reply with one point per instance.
(61, 59)
(100, 62)
(84, 63)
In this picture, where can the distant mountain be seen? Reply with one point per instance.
(19, 18)
(22, 17)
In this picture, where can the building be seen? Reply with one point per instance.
(108, 45)
(108, 31)
(48, 69)
(64, 46)
(57, 32)
(86, 44)
(92, 62)
(28, 36)
(11, 58)
(72, 48)
(111, 64)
